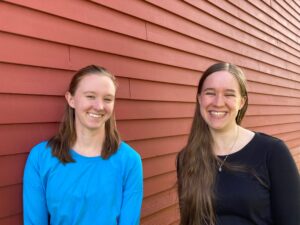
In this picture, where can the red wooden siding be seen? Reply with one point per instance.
(158, 50)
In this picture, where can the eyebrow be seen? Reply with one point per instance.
(230, 90)
(92, 92)
(109, 95)
(213, 89)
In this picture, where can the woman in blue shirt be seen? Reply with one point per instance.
(84, 174)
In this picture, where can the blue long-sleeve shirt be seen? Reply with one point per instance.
(89, 191)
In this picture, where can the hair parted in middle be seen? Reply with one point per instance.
(196, 162)
(66, 136)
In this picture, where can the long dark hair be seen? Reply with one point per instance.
(196, 162)
(66, 136)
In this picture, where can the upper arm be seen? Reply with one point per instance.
(285, 186)
(34, 202)
(132, 192)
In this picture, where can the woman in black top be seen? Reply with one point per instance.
(228, 175)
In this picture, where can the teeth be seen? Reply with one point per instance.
(95, 115)
(214, 113)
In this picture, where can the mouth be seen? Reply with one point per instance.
(217, 114)
(95, 115)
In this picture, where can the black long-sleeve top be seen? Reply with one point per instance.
(273, 199)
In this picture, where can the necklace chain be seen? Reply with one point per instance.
(221, 164)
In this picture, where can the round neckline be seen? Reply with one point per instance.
(78, 157)
(75, 155)
(240, 150)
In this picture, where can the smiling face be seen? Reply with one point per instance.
(220, 100)
(93, 101)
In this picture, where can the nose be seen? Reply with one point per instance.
(219, 100)
(98, 105)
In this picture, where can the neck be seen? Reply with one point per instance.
(225, 141)
(89, 143)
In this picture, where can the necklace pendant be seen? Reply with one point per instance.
(220, 169)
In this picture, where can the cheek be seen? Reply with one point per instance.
(238, 104)
(203, 102)
(109, 108)
(80, 104)
(202, 109)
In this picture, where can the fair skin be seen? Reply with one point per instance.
(220, 100)
(93, 102)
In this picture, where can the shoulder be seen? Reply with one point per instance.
(126, 152)
(41, 153)
(263, 147)
(266, 138)
(274, 147)
(265, 142)
(128, 158)
(40, 149)
(269, 142)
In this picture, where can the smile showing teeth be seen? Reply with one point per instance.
(95, 115)
(218, 114)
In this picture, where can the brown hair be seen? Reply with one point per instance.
(66, 136)
(196, 162)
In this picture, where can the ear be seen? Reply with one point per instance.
(243, 101)
(199, 98)
(70, 99)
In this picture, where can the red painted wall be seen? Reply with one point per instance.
(158, 50)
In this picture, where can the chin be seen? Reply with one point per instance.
(217, 127)
(95, 126)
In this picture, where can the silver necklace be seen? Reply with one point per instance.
(221, 164)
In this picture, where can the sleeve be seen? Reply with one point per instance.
(132, 193)
(34, 203)
(285, 186)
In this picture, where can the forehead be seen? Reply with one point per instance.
(221, 80)
(96, 83)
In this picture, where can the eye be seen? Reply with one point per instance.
(209, 93)
(91, 96)
(108, 99)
